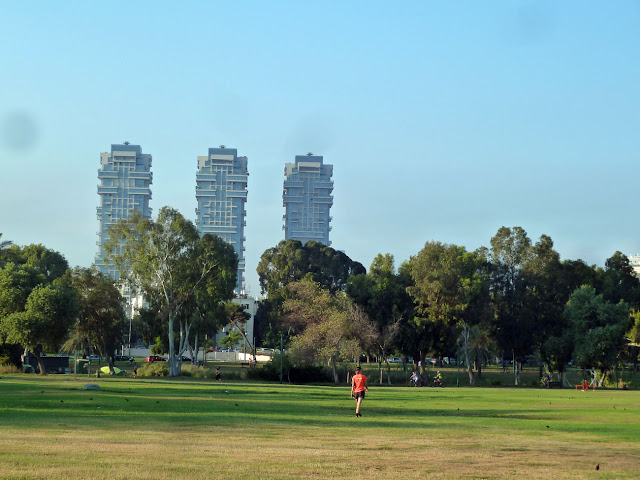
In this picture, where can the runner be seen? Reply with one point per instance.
(358, 388)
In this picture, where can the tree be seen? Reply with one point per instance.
(526, 294)
(237, 317)
(170, 263)
(446, 279)
(599, 329)
(4, 245)
(37, 302)
(291, 261)
(100, 321)
(618, 282)
(382, 294)
(324, 324)
(45, 320)
(633, 338)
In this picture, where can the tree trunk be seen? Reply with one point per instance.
(335, 372)
(465, 348)
(173, 368)
(388, 371)
(110, 363)
(246, 339)
(194, 358)
(603, 377)
(43, 371)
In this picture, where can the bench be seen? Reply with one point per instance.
(555, 384)
(245, 364)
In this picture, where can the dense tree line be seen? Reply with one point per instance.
(187, 282)
(45, 306)
(514, 300)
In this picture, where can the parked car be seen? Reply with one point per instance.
(155, 358)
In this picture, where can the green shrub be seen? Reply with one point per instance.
(155, 369)
(196, 371)
(6, 368)
(496, 383)
(231, 374)
(270, 371)
(157, 348)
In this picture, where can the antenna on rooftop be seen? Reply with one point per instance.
(309, 154)
(126, 143)
(222, 146)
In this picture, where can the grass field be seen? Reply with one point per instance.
(165, 429)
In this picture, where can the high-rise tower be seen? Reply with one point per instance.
(221, 192)
(125, 185)
(307, 199)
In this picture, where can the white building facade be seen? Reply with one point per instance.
(221, 193)
(125, 186)
(307, 199)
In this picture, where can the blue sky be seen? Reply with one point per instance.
(443, 120)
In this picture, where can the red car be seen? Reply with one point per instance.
(155, 358)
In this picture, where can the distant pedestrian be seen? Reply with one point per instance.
(135, 370)
(130, 361)
(358, 388)
(218, 376)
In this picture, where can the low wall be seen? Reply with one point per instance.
(211, 356)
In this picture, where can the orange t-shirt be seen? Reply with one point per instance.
(358, 382)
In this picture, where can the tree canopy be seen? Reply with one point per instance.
(37, 301)
(171, 264)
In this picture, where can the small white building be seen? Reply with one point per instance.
(249, 305)
(634, 260)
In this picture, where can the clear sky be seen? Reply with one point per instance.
(443, 120)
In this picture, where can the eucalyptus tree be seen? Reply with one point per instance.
(633, 339)
(327, 326)
(291, 261)
(617, 281)
(101, 314)
(527, 293)
(170, 263)
(447, 281)
(599, 328)
(382, 294)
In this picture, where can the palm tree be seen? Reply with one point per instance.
(4, 245)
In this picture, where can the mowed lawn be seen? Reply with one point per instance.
(163, 429)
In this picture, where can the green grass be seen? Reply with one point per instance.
(190, 429)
